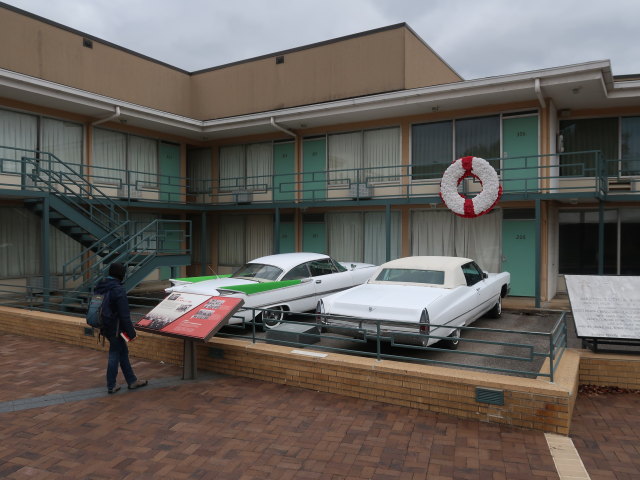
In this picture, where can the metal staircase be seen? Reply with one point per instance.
(84, 212)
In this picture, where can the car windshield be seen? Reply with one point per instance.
(258, 272)
(411, 275)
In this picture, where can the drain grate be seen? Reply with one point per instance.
(490, 396)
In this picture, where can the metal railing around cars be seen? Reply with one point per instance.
(529, 348)
(505, 351)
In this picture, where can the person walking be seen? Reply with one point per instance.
(117, 326)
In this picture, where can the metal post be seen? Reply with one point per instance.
(203, 243)
(276, 232)
(388, 232)
(601, 238)
(190, 366)
(538, 239)
(44, 246)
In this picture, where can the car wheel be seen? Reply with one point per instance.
(452, 343)
(496, 311)
(273, 317)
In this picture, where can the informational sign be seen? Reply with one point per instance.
(605, 306)
(190, 315)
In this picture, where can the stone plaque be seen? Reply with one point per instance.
(605, 306)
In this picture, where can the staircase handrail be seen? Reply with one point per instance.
(64, 178)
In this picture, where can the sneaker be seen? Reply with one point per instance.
(138, 384)
(113, 390)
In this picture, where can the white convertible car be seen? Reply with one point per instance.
(284, 282)
(414, 297)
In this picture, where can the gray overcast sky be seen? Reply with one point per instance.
(478, 38)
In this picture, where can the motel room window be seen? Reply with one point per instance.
(242, 238)
(247, 167)
(65, 141)
(588, 135)
(578, 242)
(435, 145)
(361, 236)
(630, 145)
(124, 160)
(369, 156)
(17, 130)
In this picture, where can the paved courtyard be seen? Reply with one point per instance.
(59, 423)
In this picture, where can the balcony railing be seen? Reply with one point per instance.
(578, 174)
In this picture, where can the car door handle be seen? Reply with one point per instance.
(318, 281)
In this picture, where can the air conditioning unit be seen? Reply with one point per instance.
(242, 197)
(359, 191)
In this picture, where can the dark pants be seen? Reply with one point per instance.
(119, 355)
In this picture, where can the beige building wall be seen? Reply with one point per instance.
(423, 66)
(42, 50)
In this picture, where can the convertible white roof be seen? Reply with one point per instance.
(453, 275)
(289, 260)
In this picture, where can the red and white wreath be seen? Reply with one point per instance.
(481, 203)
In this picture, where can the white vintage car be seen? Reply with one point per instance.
(284, 282)
(414, 297)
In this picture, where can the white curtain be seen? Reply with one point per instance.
(231, 167)
(142, 164)
(259, 236)
(109, 157)
(19, 243)
(345, 233)
(62, 249)
(17, 130)
(259, 166)
(64, 140)
(481, 239)
(432, 233)
(231, 240)
(375, 237)
(443, 233)
(345, 152)
(381, 155)
(199, 170)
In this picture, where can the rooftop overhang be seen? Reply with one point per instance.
(575, 87)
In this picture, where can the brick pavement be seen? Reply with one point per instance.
(236, 428)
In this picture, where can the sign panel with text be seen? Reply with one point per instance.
(190, 316)
(605, 306)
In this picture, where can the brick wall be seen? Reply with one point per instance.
(529, 403)
(610, 370)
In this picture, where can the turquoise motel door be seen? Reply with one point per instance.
(169, 177)
(314, 166)
(520, 150)
(314, 237)
(284, 163)
(519, 255)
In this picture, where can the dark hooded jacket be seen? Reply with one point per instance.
(115, 309)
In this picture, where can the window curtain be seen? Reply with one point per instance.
(19, 243)
(381, 155)
(259, 166)
(142, 239)
(443, 233)
(109, 157)
(231, 167)
(584, 135)
(259, 236)
(375, 237)
(345, 234)
(62, 249)
(231, 240)
(479, 137)
(20, 131)
(432, 233)
(64, 140)
(345, 155)
(630, 135)
(480, 239)
(431, 149)
(142, 163)
(199, 170)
